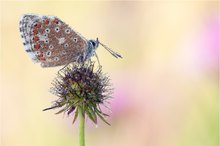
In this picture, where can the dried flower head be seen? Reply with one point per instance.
(81, 86)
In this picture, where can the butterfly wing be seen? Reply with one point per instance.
(25, 30)
(50, 41)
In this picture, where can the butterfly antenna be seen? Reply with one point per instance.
(115, 54)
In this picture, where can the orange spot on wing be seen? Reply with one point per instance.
(36, 38)
(46, 21)
(37, 25)
(40, 56)
(35, 31)
(36, 46)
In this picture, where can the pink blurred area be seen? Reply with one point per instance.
(200, 51)
(156, 103)
(209, 44)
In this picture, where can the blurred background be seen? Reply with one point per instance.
(165, 87)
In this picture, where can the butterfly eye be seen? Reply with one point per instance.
(66, 45)
(51, 47)
(57, 29)
(67, 31)
(47, 30)
(93, 43)
(48, 53)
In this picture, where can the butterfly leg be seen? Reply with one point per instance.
(63, 67)
(97, 59)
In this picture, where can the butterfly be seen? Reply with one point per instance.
(51, 42)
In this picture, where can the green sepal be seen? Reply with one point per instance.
(75, 116)
(91, 114)
(64, 109)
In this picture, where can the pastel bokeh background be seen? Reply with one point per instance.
(166, 86)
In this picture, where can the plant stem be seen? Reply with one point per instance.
(81, 126)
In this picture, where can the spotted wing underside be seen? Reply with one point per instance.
(50, 41)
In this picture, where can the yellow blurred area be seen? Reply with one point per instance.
(165, 87)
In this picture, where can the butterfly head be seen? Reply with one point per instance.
(93, 45)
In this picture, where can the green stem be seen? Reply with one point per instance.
(81, 126)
